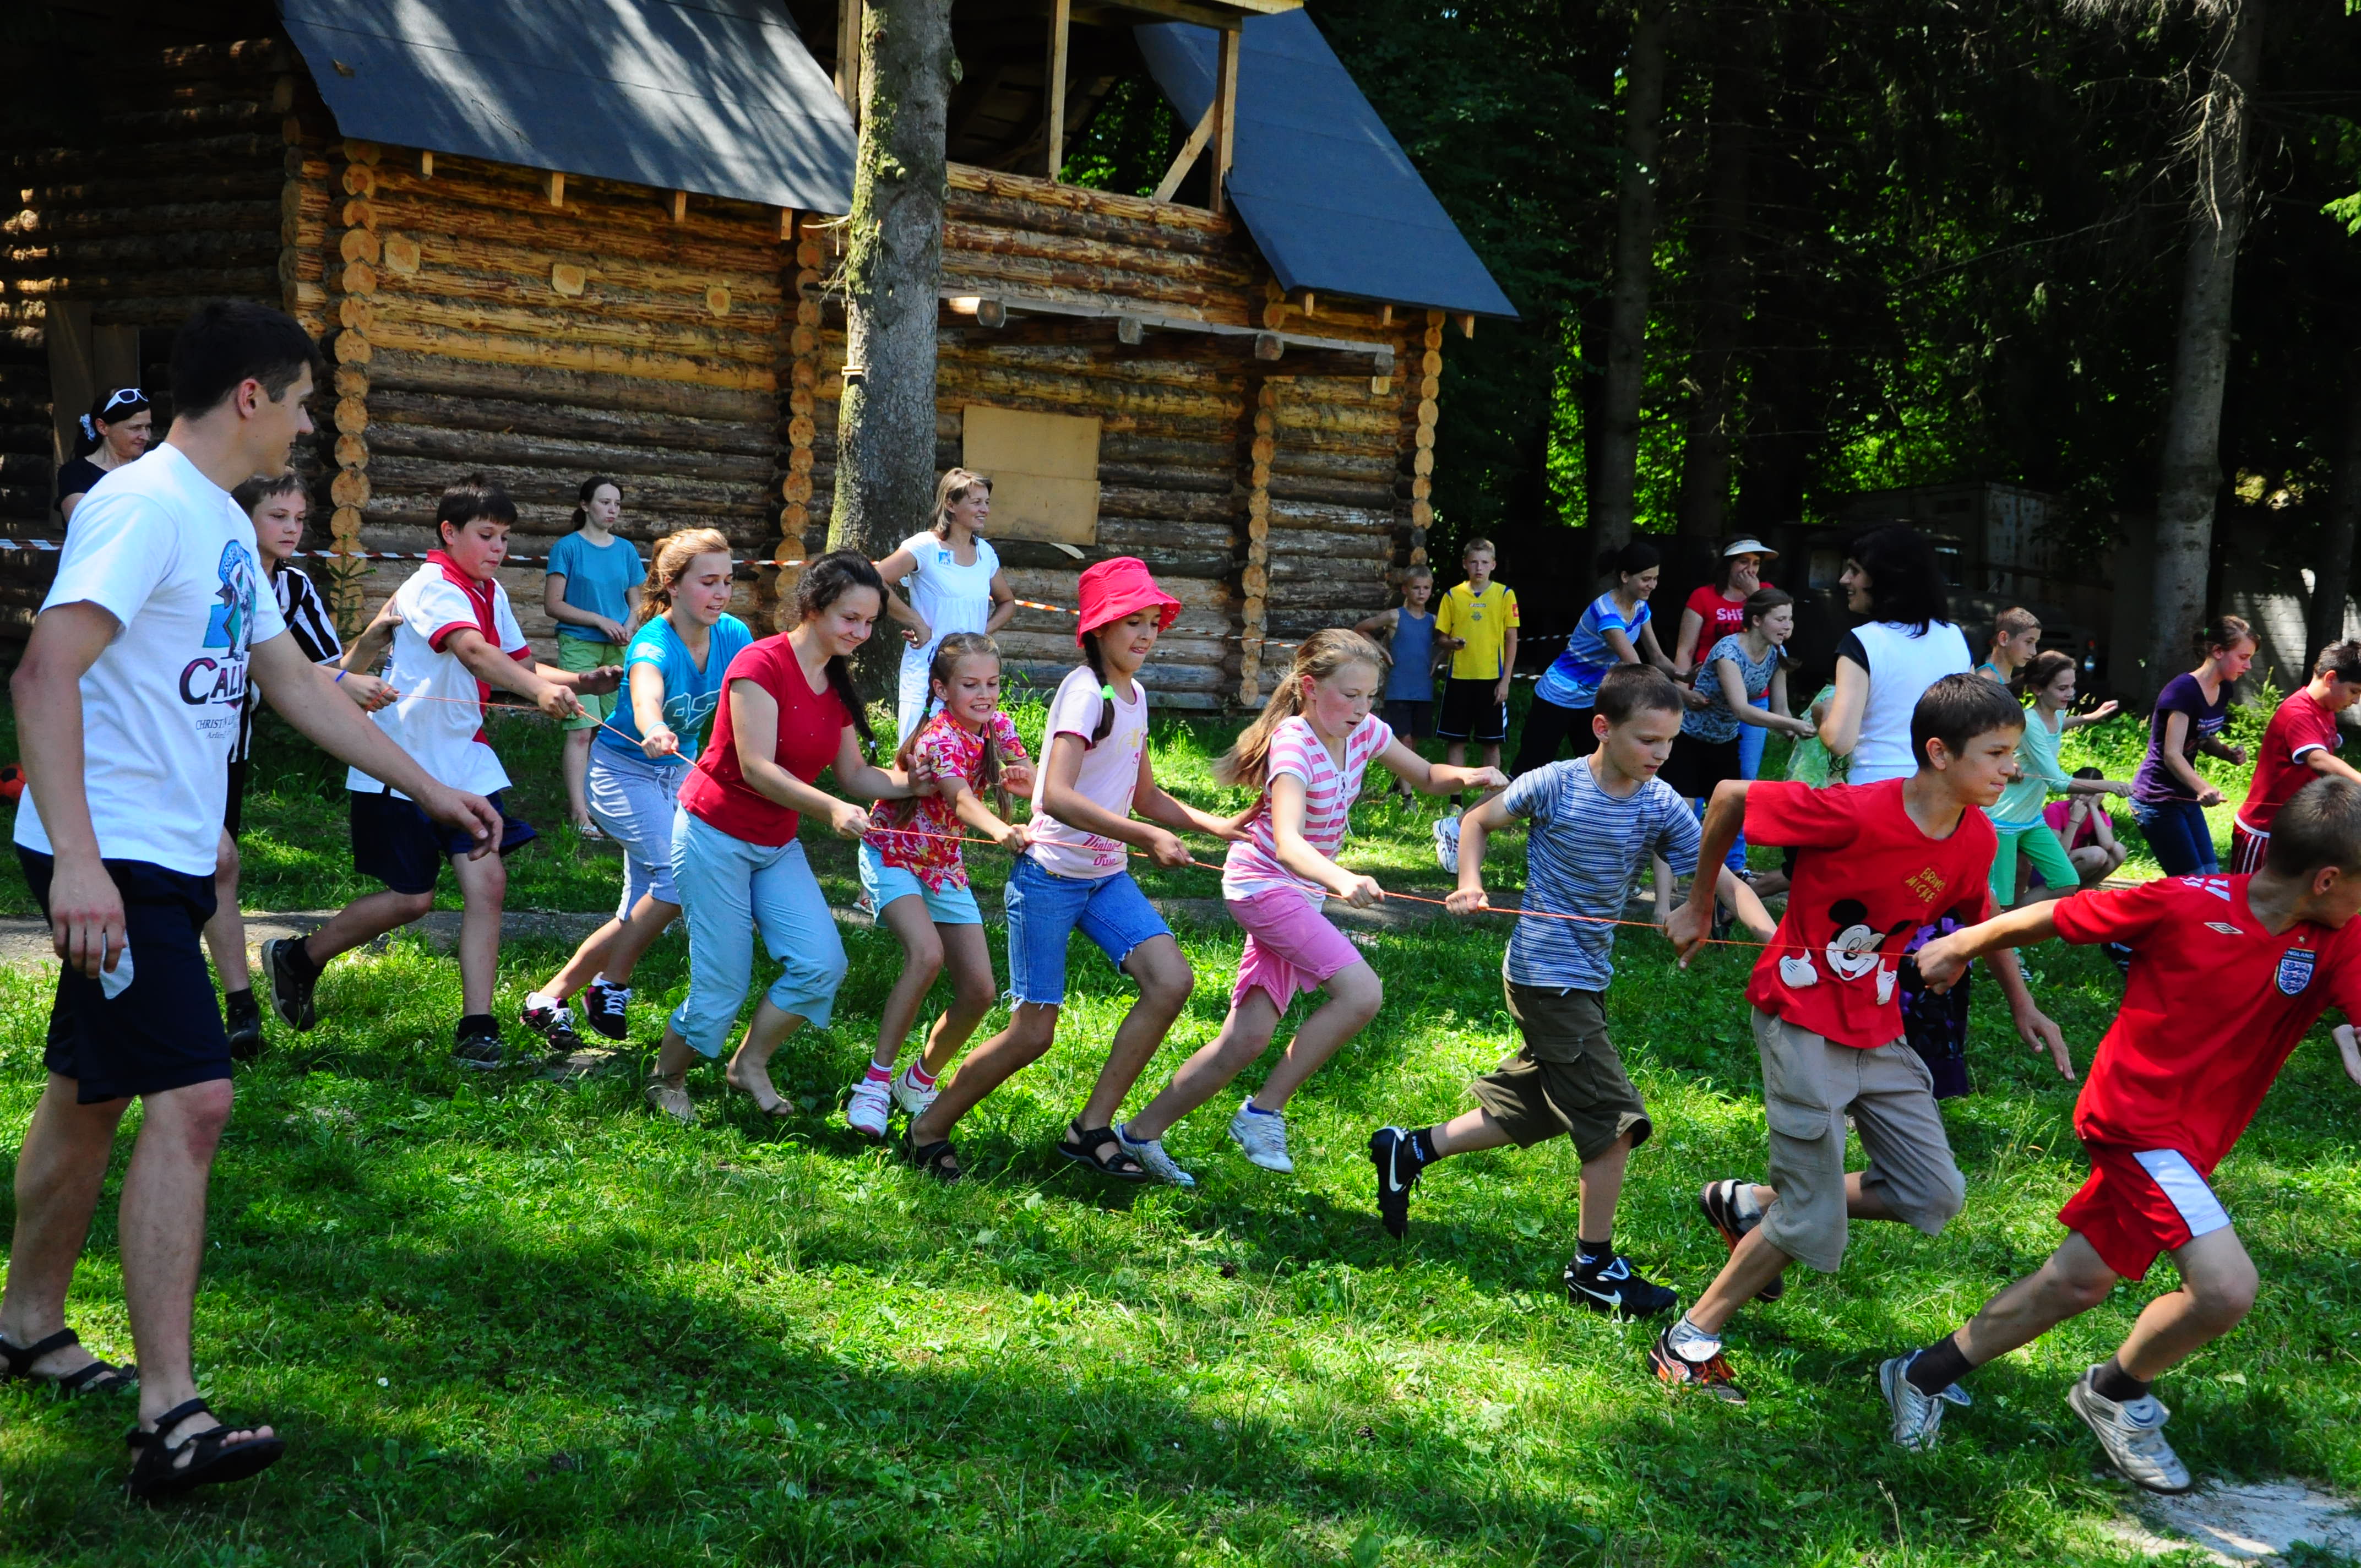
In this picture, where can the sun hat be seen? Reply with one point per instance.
(1115, 588)
(1751, 547)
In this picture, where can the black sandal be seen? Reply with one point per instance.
(1098, 1150)
(214, 1458)
(937, 1159)
(98, 1378)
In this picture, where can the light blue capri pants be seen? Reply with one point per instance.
(730, 889)
(634, 800)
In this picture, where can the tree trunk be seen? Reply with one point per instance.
(885, 426)
(1720, 227)
(2332, 572)
(1615, 496)
(2190, 480)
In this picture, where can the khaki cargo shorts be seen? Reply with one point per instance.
(1808, 1086)
(1567, 1081)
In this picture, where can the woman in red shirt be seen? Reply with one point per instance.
(1717, 608)
(789, 711)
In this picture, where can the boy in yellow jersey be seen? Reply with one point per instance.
(1477, 623)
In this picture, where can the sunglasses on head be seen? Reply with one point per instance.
(123, 396)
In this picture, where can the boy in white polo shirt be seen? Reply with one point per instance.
(455, 639)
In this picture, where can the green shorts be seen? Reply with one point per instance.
(579, 655)
(2048, 856)
(1567, 1081)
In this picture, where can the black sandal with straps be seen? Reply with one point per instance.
(937, 1159)
(1097, 1149)
(214, 1457)
(98, 1378)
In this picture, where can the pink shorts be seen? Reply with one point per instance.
(1290, 946)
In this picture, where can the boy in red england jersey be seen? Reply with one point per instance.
(2227, 975)
(2298, 746)
(1874, 863)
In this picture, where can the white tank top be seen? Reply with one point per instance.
(1902, 665)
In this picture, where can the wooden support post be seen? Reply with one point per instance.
(1062, 13)
(1468, 325)
(1385, 315)
(1310, 305)
(1226, 103)
(679, 207)
(553, 185)
(1190, 151)
(771, 583)
(1254, 582)
(425, 165)
(786, 225)
(848, 55)
(352, 289)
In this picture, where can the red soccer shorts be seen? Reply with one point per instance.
(2138, 1204)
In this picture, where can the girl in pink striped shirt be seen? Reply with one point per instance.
(1307, 751)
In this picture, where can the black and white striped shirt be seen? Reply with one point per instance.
(307, 616)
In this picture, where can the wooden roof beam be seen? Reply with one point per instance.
(1128, 319)
(1053, 87)
(1186, 158)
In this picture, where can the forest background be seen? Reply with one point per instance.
(1881, 243)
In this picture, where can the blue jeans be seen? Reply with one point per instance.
(1750, 765)
(2177, 830)
(1043, 911)
(730, 889)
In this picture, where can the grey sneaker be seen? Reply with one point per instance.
(1263, 1137)
(1153, 1159)
(1917, 1418)
(1446, 842)
(2133, 1434)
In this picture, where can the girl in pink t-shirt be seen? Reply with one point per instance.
(916, 879)
(1307, 752)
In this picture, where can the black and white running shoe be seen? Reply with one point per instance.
(1398, 1172)
(1720, 1201)
(1613, 1286)
(476, 1044)
(291, 978)
(603, 1006)
(553, 1022)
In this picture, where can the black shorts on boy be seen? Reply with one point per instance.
(1412, 720)
(1470, 714)
(162, 1031)
(403, 848)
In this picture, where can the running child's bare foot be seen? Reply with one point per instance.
(754, 1079)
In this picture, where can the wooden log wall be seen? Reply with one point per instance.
(168, 193)
(1270, 503)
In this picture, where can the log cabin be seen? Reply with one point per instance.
(598, 236)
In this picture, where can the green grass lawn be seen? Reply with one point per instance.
(512, 1321)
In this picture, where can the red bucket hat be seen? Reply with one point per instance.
(1115, 588)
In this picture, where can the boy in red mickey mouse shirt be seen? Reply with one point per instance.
(1876, 862)
(2228, 974)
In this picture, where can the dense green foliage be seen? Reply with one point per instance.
(510, 1320)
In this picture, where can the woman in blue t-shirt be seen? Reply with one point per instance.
(1615, 630)
(673, 669)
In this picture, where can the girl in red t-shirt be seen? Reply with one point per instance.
(788, 711)
(1717, 608)
(916, 877)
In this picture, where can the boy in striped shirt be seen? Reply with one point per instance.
(1592, 823)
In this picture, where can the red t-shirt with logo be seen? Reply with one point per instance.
(811, 727)
(1866, 878)
(1722, 618)
(2213, 1006)
(2302, 725)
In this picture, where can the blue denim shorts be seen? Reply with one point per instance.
(884, 883)
(1044, 909)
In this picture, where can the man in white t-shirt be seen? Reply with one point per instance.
(127, 705)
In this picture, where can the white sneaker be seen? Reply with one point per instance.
(1917, 1418)
(909, 1096)
(1153, 1159)
(2133, 1434)
(1263, 1137)
(868, 1110)
(1446, 842)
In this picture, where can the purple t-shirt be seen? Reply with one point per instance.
(2155, 783)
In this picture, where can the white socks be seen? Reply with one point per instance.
(1690, 1343)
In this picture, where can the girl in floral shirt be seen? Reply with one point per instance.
(917, 882)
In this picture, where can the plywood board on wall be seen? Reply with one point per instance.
(1044, 470)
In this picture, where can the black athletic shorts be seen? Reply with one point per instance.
(1411, 718)
(406, 849)
(1470, 714)
(164, 1030)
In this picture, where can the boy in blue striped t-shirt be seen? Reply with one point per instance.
(1592, 823)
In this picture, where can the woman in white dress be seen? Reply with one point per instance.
(953, 578)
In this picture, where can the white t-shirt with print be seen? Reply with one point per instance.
(167, 552)
(1109, 775)
(445, 737)
(1253, 864)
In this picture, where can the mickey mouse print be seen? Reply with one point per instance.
(1866, 878)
